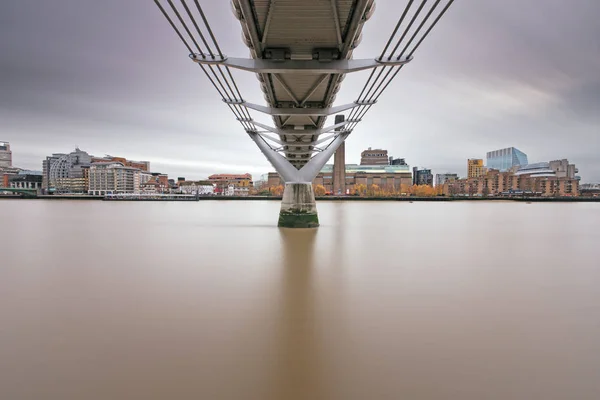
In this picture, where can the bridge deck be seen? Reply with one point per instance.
(301, 28)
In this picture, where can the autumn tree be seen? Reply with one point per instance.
(277, 190)
(373, 190)
(320, 190)
(423, 190)
(360, 189)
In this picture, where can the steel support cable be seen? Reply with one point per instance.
(242, 110)
(419, 28)
(239, 114)
(173, 26)
(393, 35)
(197, 28)
(431, 27)
(414, 35)
(232, 97)
(410, 24)
(229, 97)
(210, 32)
(376, 96)
(184, 25)
(418, 44)
(239, 97)
(222, 96)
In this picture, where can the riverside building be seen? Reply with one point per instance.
(5, 155)
(505, 159)
(475, 168)
(113, 178)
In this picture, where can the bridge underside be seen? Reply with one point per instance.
(300, 52)
(289, 30)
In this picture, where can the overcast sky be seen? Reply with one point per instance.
(112, 78)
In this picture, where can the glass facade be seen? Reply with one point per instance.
(505, 159)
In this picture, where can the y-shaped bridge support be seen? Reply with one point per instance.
(298, 206)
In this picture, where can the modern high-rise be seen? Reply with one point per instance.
(475, 168)
(440, 179)
(5, 155)
(374, 157)
(65, 173)
(422, 177)
(46, 164)
(505, 159)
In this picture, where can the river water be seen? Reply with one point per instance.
(386, 300)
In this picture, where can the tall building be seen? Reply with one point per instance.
(374, 157)
(113, 178)
(46, 165)
(66, 173)
(339, 164)
(505, 159)
(5, 155)
(440, 179)
(475, 168)
(141, 165)
(422, 177)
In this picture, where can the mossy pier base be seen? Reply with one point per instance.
(298, 207)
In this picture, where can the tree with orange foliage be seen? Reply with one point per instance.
(319, 190)
(406, 190)
(373, 190)
(276, 190)
(360, 189)
(423, 191)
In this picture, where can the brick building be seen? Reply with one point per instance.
(239, 184)
(496, 183)
(389, 177)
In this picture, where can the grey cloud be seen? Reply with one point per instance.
(112, 77)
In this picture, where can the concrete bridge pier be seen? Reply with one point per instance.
(298, 207)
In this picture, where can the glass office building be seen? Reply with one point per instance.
(505, 159)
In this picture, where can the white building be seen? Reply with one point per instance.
(113, 178)
(202, 188)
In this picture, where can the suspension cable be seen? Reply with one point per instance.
(374, 88)
(197, 28)
(225, 84)
(184, 25)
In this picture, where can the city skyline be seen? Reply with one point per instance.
(235, 169)
(127, 90)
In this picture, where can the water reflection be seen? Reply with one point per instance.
(297, 366)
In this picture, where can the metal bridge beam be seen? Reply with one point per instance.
(302, 132)
(262, 66)
(286, 169)
(298, 111)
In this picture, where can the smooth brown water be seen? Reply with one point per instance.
(209, 300)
